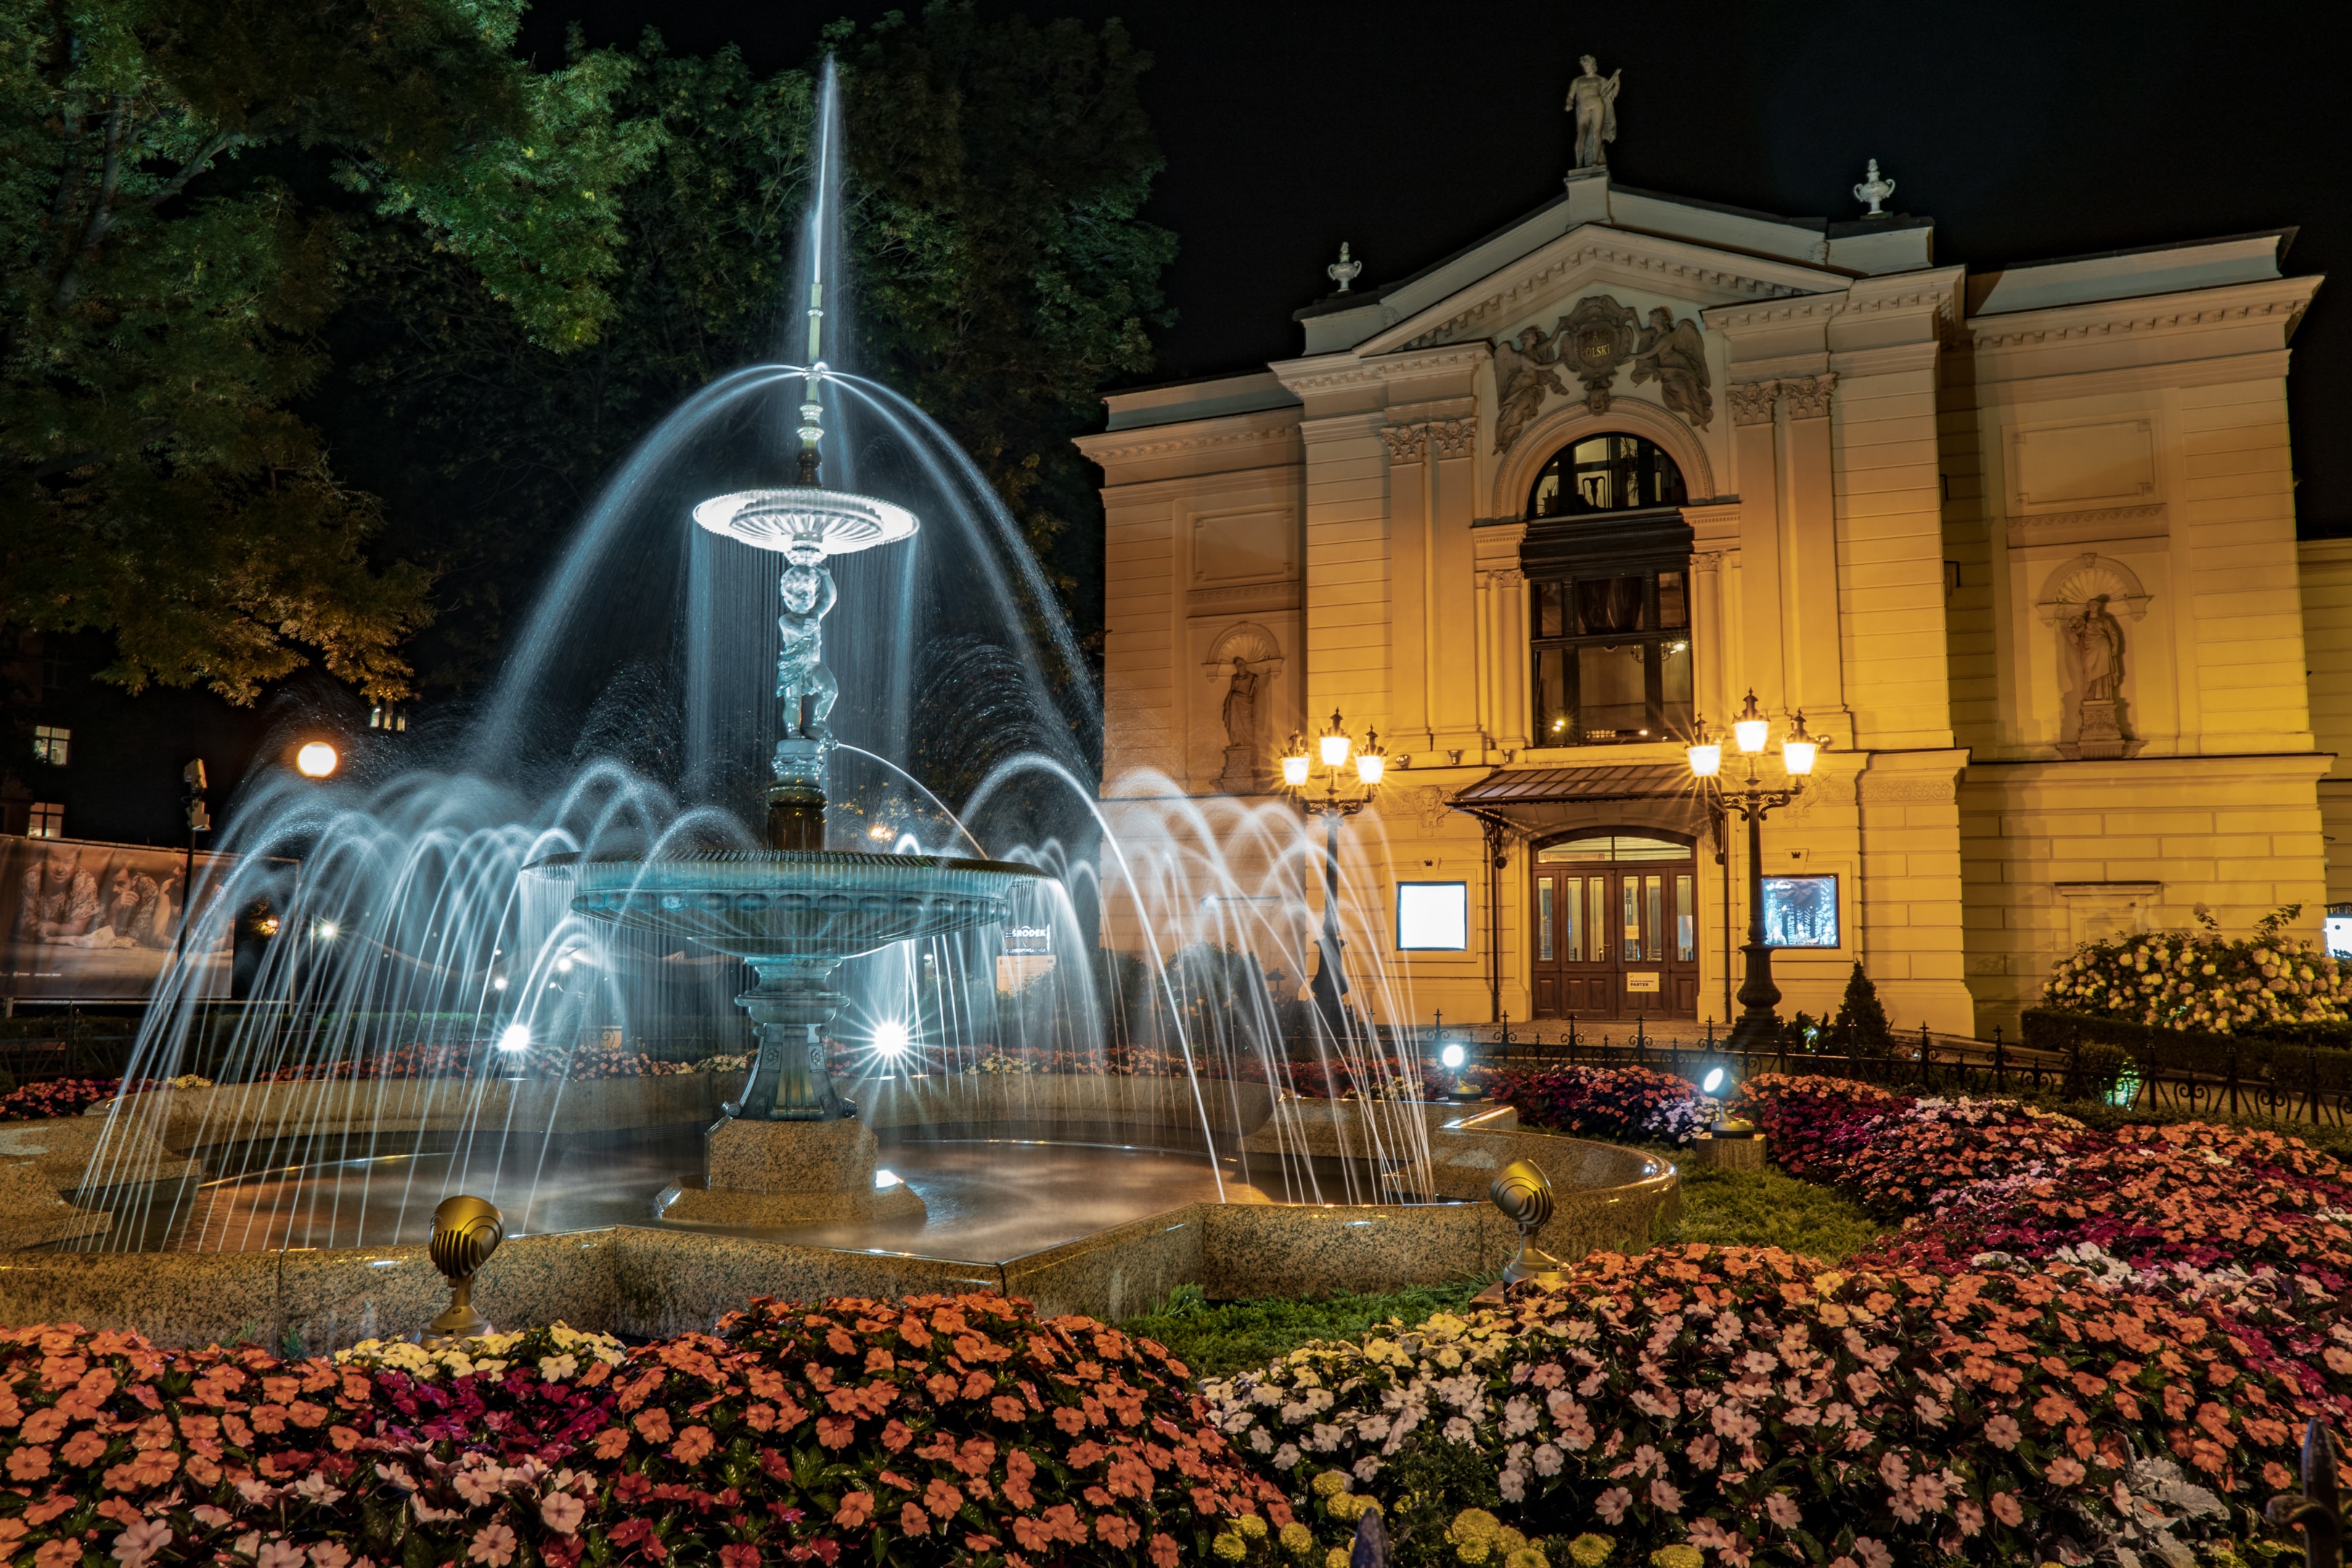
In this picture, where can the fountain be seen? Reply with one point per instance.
(462, 948)
(790, 1150)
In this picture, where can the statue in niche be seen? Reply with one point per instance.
(1673, 355)
(1242, 773)
(1241, 706)
(1593, 100)
(1523, 374)
(2097, 640)
(807, 688)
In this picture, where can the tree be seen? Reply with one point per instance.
(162, 291)
(1000, 271)
(1861, 1027)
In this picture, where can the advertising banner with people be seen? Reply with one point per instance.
(84, 921)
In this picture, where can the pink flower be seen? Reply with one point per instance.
(476, 1487)
(2064, 1471)
(330, 1554)
(1893, 1472)
(2006, 1510)
(1968, 1516)
(1783, 1509)
(2002, 1432)
(914, 1521)
(1665, 1494)
(561, 1513)
(494, 1545)
(140, 1542)
(1874, 1553)
(279, 1554)
(1611, 1504)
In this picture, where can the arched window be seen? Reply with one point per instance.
(1611, 473)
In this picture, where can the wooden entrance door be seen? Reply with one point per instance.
(1615, 932)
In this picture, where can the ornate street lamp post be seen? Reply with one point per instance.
(1750, 731)
(1332, 748)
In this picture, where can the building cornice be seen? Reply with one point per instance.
(2283, 299)
(1672, 267)
(1276, 427)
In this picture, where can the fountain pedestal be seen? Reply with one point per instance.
(791, 1172)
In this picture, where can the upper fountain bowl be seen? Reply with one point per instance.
(831, 521)
(773, 904)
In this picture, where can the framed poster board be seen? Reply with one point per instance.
(87, 921)
(1800, 911)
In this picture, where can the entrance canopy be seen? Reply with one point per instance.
(1538, 801)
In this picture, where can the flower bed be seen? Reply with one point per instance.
(2080, 1344)
(932, 1430)
(1603, 1103)
(61, 1097)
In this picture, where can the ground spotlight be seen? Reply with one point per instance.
(316, 760)
(1713, 1081)
(514, 1038)
(1453, 1056)
(891, 1037)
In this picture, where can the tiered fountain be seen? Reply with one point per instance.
(792, 1150)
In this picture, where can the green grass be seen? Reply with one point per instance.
(1761, 1208)
(1216, 1338)
(1765, 1208)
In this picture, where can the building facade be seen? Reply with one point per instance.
(2020, 545)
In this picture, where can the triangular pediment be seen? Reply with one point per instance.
(1597, 255)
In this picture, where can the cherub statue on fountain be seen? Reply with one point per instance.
(807, 688)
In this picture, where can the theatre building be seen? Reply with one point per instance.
(2020, 545)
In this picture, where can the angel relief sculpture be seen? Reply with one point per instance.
(1673, 355)
(1523, 373)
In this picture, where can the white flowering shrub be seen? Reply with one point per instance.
(2200, 980)
(559, 1353)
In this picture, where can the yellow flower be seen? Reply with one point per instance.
(1474, 1551)
(1329, 1483)
(1230, 1547)
(1508, 1540)
(1296, 1539)
(1680, 1555)
(1337, 1557)
(1590, 1550)
(1473, 1524)
(1250, 1525)
(1528, 1557)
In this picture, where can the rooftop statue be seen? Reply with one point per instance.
(1594, 100)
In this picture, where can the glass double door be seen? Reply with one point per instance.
(1616, 937)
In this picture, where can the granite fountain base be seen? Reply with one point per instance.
(777, 1174)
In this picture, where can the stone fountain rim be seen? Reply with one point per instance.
(566, 863)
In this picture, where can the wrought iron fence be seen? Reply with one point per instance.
(1919, 1060)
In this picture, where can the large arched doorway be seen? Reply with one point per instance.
(1615, 932)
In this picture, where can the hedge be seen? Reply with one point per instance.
(2290, 1064)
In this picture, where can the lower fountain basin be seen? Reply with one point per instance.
(813, 904)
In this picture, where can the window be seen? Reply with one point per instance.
(1608, 553)
(1605, 473)
(2338, 929)
(1432, 916)
(51, 744)
(1800, 911)
(1613, 658)
(47, 821)
(1614, 846)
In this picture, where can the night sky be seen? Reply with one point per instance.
(2025, 131)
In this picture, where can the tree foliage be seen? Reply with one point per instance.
(164, 291)
(999, 275)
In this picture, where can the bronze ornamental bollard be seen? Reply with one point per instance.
(1524, 1195)
(466, 1231)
